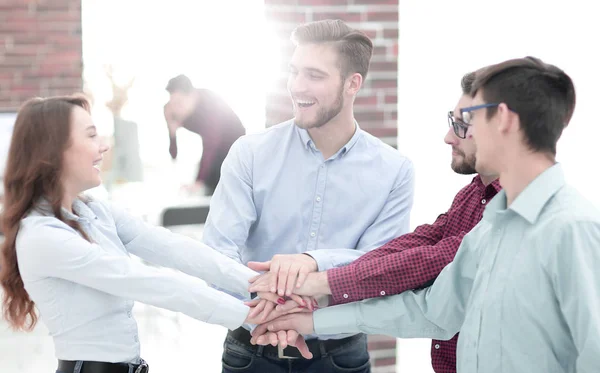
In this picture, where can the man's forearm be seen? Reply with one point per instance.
(316, 284)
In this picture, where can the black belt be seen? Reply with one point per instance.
(317, 347)
(100, 367)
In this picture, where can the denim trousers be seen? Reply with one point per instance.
(349, 358)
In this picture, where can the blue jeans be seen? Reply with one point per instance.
(349, 358)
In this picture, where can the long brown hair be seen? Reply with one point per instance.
(40, 137)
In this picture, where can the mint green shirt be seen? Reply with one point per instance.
(523, 289)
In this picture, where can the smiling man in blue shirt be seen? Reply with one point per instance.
(316, 184)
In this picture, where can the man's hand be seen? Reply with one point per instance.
(316, 285)
(264, 304)
(263, 308)
(272, 314)
(290, 270)
(301, 322)
(284, 339)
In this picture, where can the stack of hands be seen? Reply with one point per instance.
(289, 290)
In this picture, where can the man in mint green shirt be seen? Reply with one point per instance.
(524, 287)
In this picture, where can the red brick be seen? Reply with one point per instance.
(58, 16)
(382, 16)
(390, 33)
(372, 34)
(377, 130)
(383, 83)
(52, 5)
(370, 116)
(15, 14)
(391, 99)
(366, 100)
(15, 62)
(384, 66)
(322, 2)
(17, 26)
(379, 50)
(56, 26)
(382, 344)
(22, 38)
(346, 17)
(384, 362)
(374, 2)
(8, 7)
(24, 91)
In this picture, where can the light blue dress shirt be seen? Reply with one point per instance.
(277, 195)
(85, 291)
(523, 289)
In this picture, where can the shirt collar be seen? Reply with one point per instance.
(80, 209)
(309, 144)
(530, 202)
(494, 185)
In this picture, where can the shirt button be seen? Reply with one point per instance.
(129, 313)
(318, 199)
(437, 346)
(136, 338)
(312, 234)
(345, 296)
(382, 292)
(483, 201)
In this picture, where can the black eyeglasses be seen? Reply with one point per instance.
(460, 128)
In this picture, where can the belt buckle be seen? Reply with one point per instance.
(142, 368)
(281, 353)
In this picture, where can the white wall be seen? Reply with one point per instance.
(442, 40)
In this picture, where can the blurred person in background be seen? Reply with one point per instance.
(205, 113)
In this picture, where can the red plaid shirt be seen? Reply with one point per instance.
(414, 260)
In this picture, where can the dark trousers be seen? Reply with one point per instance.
(352, 357)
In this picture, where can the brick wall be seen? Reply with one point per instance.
(376, 104)
(40, 49)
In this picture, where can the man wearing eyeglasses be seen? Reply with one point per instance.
(415, 259)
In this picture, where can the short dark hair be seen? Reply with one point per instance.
(353, 46)
(180, 83)
(467, 83)
(541, 94)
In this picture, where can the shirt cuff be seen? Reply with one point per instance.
(241, 278)
(336, 320)
(323, 259)
(231, 313)
(344, 284)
